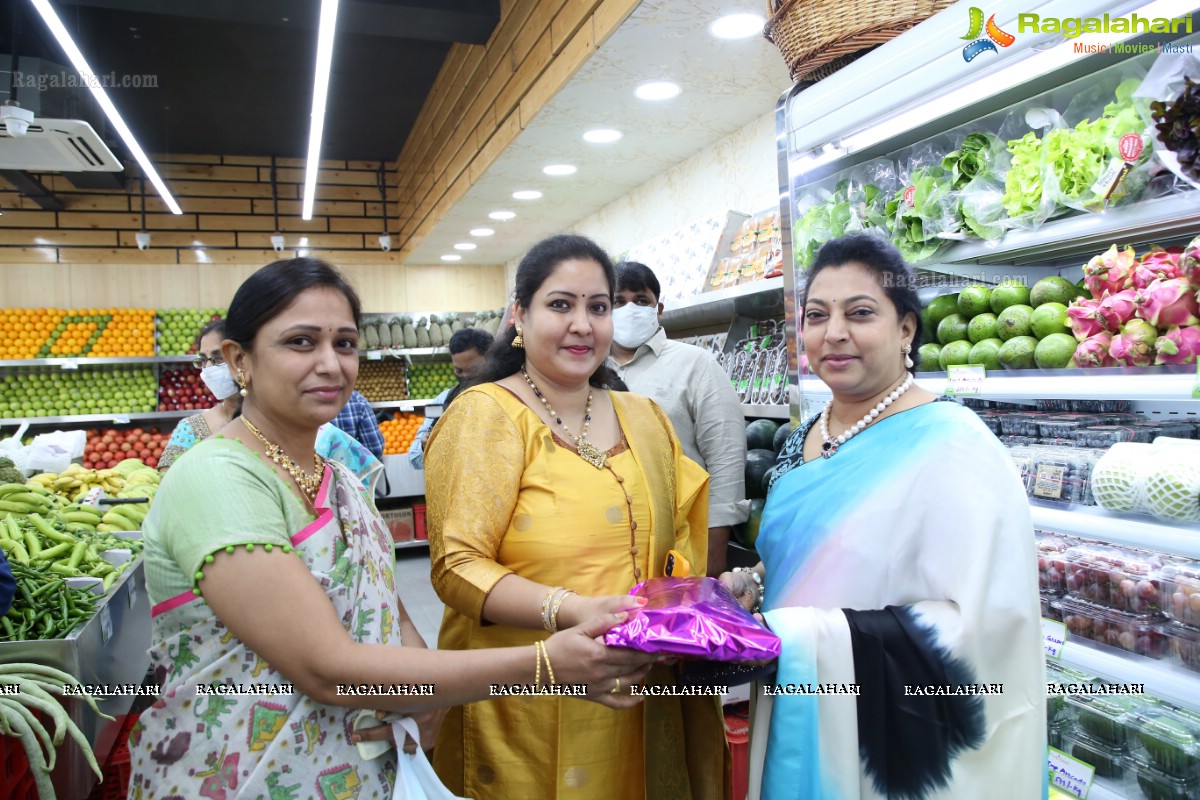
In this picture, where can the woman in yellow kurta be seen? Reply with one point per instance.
(542, 478)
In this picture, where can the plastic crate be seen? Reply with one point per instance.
(118, 768)
(737, 733)
(419, 521)
(399, 522)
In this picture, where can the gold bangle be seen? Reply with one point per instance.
(558, 601)
(550, 593)
(549, 669)
(537, 672)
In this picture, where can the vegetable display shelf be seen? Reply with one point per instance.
(759, 299)
(780, 412)
(111, 648)
(402, 405)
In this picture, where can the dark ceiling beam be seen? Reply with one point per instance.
(466, 21)
(32, 188)
(96, 180)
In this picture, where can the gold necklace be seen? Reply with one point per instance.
(633, 549)
(309, 484)
(586, 450)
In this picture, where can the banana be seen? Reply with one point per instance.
(72, 469)
(44, 477)
(37, 488)
(18, 508)
(107, 473)
(118, 521)
(79, 527)
(96, 510)
(130, 513)
(12, 488)
(84, 517)
(104, 527)
(28, 497)
(63, 481)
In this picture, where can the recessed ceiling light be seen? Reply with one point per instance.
(657, 90)
(451, 257)
(527, 194)
(465, 246)
(559, 169)
(501, 216)
(602, 135)
(737, 26)
(482, 231)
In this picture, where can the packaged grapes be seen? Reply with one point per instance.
(1120, 578)
(1185, 645)
(1181, 586)
(1052, 564)
(1137, 633)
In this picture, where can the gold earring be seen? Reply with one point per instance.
(518, 341)
(243, 383)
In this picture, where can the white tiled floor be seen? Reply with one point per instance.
(416, 592)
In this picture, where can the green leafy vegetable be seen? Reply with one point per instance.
(915, 225)
(1023, 181)
(852, 206)
(972, 174)
(972, 159)
(1178, 126)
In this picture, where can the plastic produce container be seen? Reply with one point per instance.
(1185, 644)
(1058, 713)
(1108, 718)
(1108, 435)
(1052, 564)
(1108, 759)
(1012, 440)
(1117, 577)
(1048, 609)
(1060, 429)
(1169, 739)
(1136, 633)
(1099, 406)
(1157, 785)
(1181, 590)
(1062, 475)
(1022, 424)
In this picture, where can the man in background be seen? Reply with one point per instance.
(357, 419)
(468, 352)
(695, 392)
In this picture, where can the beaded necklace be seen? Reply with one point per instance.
(309, 484)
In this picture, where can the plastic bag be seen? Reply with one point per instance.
(1101, 155)
(921, 214)
(415, 778)
(1165, 82)
(978, 190)
(54, 452)
(696, 617)
(851, 200)
(1022, 163)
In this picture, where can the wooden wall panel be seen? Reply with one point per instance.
(480, 101)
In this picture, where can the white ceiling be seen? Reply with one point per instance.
(726, 85)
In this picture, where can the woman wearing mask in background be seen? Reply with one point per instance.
(540, 480)
(332, 442)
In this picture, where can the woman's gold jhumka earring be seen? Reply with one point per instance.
(518, 341)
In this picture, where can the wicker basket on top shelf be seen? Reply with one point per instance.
(818, 37)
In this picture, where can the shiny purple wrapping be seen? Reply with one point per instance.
(695, 617)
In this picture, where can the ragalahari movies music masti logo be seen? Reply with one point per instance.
(994, 36)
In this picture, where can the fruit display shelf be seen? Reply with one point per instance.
(411, 544)
(103, 419)
(402, 405)
(85, 361)
(760, 300)
(1129, 530)
(781, 412)
(1158, 384)
(401, 352)
(1164, 680)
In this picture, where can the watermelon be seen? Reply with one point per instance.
(766, 484)
(758, 462)
(760, 434)
(781, 436)
(748, 533)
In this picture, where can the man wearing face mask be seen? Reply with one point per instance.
(468, 353)
(331, 442)
(694, 391)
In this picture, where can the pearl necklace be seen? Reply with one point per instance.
(831, 445)
(586, 450)
(309, 484)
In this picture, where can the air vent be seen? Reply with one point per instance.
(57, 145)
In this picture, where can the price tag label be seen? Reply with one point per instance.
(1054, 636)
(374, 355)
(131, 589)
(70, 363)
(105, 624)
(121, 419)
(965, 379)
(94, 496)
(1069, 774)
(1048, 481)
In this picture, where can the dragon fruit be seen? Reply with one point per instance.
(1108, 272)
(1165, 304)
(1116, 309)
(1093, 351)
(1134, 345)
(1178, 346)
(1084, 319)
(1189, 262)
(1158, 264)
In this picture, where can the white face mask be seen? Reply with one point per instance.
(633, 325)
(218, 380)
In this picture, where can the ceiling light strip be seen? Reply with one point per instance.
(81, 66)
(325, 34)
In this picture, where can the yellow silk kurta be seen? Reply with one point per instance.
(505, 497)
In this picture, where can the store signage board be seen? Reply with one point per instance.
(1054, 636)
(1070, 774)
(965, 379)
(374, 355)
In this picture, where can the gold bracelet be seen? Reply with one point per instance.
(558, 601)
(550, 593)
(549, 669)
(537, 672)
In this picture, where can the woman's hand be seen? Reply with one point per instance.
(577, 609)
(428, 725)
(579, 655)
